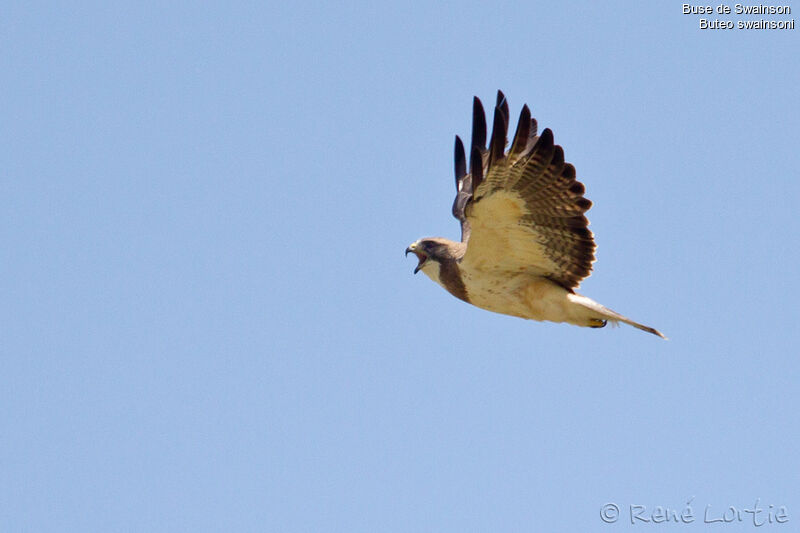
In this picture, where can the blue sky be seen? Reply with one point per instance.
(209, 323)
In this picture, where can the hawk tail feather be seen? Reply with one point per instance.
(602, 313)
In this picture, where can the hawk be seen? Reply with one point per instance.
(525, 242)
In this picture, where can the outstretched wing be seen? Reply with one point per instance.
(521, 210)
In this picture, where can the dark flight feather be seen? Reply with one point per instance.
(476, 168)
(478, 125)
(523, 131)
(497, 145)
(502, 103)
(460, 162)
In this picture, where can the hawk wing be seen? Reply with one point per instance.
(521, 210)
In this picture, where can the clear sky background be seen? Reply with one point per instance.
(208, 323)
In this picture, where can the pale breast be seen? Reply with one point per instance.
(499, 293)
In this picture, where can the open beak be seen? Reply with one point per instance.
(422, 258)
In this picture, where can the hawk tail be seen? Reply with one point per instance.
(601, 313)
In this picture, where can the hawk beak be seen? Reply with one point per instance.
(422, 258)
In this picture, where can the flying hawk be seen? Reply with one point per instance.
(525, 242)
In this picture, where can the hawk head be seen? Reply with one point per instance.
(433, 251)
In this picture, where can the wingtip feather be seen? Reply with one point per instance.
(460, 161)
(476, 168)
(499, 132)
(523, 132)
(478, 125)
